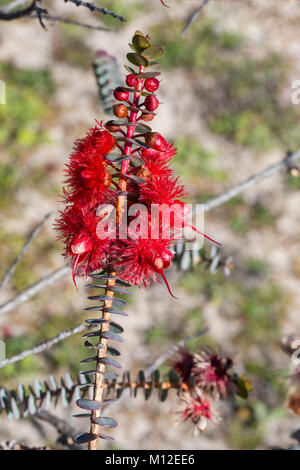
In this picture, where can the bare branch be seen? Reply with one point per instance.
(33, 290)
(93, 7)
(167, 354)
(193, 17)
(24, 249)
(9, 14)
(59, 19)
(44, 345)
(64, 429)
(253, 180)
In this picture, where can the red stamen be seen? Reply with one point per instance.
(74, 269)
(203, 234)
(167, 284)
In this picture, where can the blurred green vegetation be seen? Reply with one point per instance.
(239, 94)
(66, 355)
(195, 164)
(247, 429)
(260, 305)
(24, 116)
(242, 217)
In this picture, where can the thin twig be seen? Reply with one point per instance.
(167, 354)
(64, 429)
(8, 15)
(24, 249)
(44, 345)
(193, 17)
(59, 19)
(253, 180)
(93, 7)
(33, 290)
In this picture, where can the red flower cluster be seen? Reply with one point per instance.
(95, 178)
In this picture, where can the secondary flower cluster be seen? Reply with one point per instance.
(206, 378)
(141, 173)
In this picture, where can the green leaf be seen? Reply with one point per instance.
(154, 52)
(243, 386)
(140, 43)
(143, 128)
(137, 59)
(148, 75)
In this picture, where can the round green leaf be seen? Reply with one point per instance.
(154, 52)
(140, 42)
(137, 59)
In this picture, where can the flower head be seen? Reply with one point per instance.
(199, 408)
(87, 175)
(211, 372)
(183, 364)
(83, 249)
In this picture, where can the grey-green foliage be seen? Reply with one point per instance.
(108, 77)
(25, 401)
(187, 256)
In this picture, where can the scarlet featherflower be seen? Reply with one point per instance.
(161, 157)
(87, 175)
(93, 180)
(143, 260)
(83, 249)
(161, 189)
(212, 373)
(199, 408)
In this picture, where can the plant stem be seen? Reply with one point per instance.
(99, 378)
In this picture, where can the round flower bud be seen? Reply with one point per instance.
(120, 110)
(81, 243)
(147, 117)
(155, 141)
(132, 80)
(120, 94)
(151, 84)
(151, 103)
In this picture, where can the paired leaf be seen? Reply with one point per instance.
(137, 59)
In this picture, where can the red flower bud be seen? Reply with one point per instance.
(151, 84)
(151, 103)
(81, 243)
(155, 141)
(132, 80)
(120, 110)
(120, 94)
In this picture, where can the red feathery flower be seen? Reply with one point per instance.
(98, 140)
(199, 408)
(87, 176)
(162, 189)
(161, 157)
(212, 373)
(143, 260)
(84, 250)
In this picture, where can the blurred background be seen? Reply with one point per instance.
(226, 103)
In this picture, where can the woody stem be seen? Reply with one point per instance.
(102, 353)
